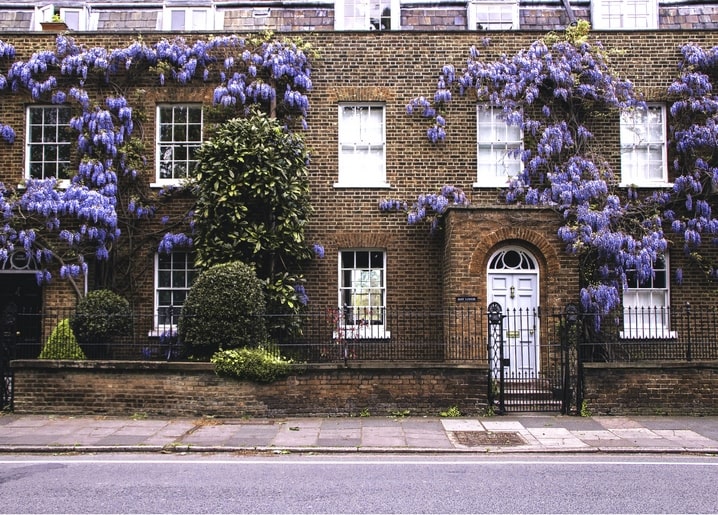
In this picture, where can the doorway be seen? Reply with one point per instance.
(20, 312)
(513, 283)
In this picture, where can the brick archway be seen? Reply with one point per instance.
(544, 252)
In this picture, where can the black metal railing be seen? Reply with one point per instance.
(411, 334)
(682, 333)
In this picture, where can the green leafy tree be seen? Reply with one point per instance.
(252, 191)
(223, 310)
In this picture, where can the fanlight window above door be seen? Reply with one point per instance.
(512, 259)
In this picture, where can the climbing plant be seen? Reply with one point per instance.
(553, 90)
(108, 198)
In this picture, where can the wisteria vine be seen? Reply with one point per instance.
(429, 207)
(85, 214)
(550, 91)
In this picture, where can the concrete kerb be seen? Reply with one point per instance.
(263, 450)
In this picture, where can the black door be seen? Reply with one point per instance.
(20, 314)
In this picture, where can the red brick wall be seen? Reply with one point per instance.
(663, 388)
(193, 389)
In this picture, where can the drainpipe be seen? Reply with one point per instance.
(569, 11)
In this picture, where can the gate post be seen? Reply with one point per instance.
(7, 354)
(571, 313)
(494, 341)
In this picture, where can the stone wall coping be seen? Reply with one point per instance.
(653, 365)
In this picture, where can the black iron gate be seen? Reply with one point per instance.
(532, 360)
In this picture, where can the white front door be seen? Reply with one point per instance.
(513, 284)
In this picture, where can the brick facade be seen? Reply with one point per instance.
(423, 271)
(257, 15)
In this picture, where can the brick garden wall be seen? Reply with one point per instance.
(193, 389)
(661, 388)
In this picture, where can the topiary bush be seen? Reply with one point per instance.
(224, 309)
(252, 364)
(62, 344)
(100, 315)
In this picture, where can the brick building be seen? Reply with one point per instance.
(374, 58)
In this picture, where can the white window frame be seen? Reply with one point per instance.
(194, 18)
(646, 306)
(644, 147)
(66, 14)
(624, 14)
(362, 146)
(492, 15)
(45, 13)
(174, 274)
(50, 138)
(366, 14)
(164, 146)
(362, 294)
(498, 147)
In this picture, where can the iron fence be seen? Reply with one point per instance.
(410, 334)
(682, 333)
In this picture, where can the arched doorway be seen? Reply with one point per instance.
(20, 303)
(513, 283)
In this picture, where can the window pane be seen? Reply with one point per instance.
(362, 259)
(177, 17)
(174, 276)
(165, 298)
(199, 19)
(643, 145)
(36, 116)
(163, 278)
(181, 140)
(178, 278)
(72, 19)
(180, 133)
(194, 133)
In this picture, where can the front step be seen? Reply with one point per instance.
(531, 395)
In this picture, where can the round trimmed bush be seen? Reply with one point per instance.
(224, 309)
(100, 315)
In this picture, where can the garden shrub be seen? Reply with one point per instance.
(253, 364)
(62, 344)
(224, 309)
(100, 315)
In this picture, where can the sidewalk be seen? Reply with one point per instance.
(520, 433)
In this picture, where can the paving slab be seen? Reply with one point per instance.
(515, 433)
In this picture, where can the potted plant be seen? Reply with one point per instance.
(56, 24)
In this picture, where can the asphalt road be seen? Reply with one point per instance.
(350, 484)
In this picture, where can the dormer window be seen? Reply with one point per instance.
(493, 15)
(624, 14)
(366, 14)
(179, 19)
(74, 17)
